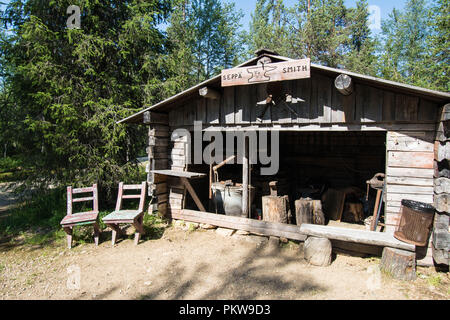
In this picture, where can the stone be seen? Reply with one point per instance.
(242, 233)
(258, 240)
(225, 232)
(318, 251)
(207, 226)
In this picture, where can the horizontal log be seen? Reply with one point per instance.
(209, 93)
(244, 224)
(355, 235)
(441, 151)
(442, 202)
(411, 159)
(441, 221)
(442, 185)
(158, 142)
(441, 239)
(441, 256)
(151, 117)
(159, 164)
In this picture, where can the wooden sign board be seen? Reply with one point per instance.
(289, 70)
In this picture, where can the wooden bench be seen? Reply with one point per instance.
(382, 239)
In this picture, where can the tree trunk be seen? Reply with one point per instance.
(309, 211)
(276, 209)
(399, 264)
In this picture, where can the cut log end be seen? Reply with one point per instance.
(399, 264)
(318, 251)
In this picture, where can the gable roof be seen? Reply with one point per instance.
(439, 96)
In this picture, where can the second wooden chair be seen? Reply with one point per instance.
(119, 216)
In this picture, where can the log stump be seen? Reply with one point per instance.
(318, 251)
(309, 211)
(276, 209)
(400, 264)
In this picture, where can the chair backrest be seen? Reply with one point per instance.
(93, 198)
(141, 196)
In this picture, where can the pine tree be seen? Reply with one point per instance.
(404, 51)
(361, 53)
(268, 28)
(72, 86)
(438, 41)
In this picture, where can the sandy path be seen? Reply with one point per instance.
(196, 265)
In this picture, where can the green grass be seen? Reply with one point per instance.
(435, 281)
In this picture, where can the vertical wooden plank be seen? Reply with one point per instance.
(284, 115)
(337, 107)
(228, 105)
(406, 108)
(242, 101)
(324, 100)
(213, 111)
(428, 111)
(360, 100)
(388, 106)
(302, 90)
(201, 110)
(190, 113)
(373, 105)
(245, 171)
(261, 95)
(313, 108)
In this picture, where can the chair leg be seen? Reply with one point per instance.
(115, 232)
(68, 230)
(96, 233)
(138, 224)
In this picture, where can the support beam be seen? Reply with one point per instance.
(245, 188)
(193, 194)
(209, 93)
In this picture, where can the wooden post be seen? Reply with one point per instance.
(276, 209)
(309, 211)
(400, 264)
(318, 251)
(245, 188)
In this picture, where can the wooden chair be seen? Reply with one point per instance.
(82, 218)
(136, 217)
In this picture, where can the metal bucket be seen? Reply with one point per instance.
(228, 199)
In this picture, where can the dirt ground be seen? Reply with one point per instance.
(201, 264)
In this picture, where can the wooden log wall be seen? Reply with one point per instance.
(158, 142)
(440, 242)
(177, 191)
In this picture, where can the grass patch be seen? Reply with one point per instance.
(435, 281)
(2, 267)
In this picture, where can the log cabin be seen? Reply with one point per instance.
(336, 130)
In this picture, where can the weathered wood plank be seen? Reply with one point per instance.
(411, 159)
(228, 105)
(237, 223)
(409, 181)
(427, 198)
(408, 189)
(416, 141)
(410, 172)
(185, 174)
(302, 90)
(354, 235)
(406, 107)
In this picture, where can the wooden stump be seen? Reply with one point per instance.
(276, 209)
(399, 264)
(318, 251)
(309, 211)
